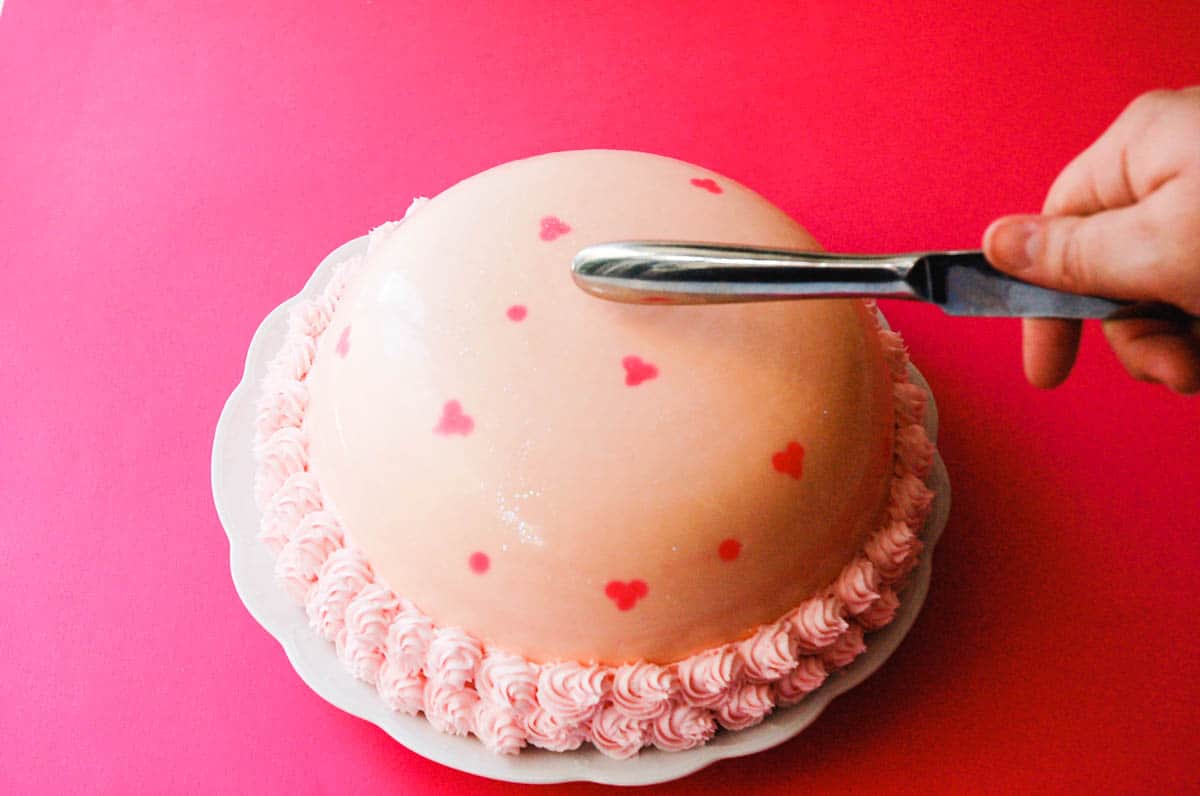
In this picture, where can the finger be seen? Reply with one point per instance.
(1049, 347)
(1117, 169)
(1163, 351)
(1113, 253)
(1096, 179)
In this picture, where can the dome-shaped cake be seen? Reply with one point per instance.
(541, 517)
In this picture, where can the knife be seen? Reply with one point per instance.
(960, 282)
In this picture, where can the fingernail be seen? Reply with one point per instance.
(1015, 243)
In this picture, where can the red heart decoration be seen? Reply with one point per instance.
(626, 595)
(553, 227)
(707, 184)
(454, 421)
(790, 460)
(517, 312)
(638, 370)
(343, 343)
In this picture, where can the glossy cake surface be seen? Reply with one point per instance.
(570, 479)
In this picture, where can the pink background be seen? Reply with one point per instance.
(171, 171)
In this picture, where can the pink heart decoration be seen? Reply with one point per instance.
(517, 312)
(638, 370)
(553, 227)
(454, 421)
(707, 184)
(626, 595)
(343, 344)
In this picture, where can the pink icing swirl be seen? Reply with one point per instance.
(402, 690)
(543, 729)
(342, 577)
(408, 640)
(499, 728)
(768, 654)
(449, 708)
(367, 619)
(748, 704)
(914, 451)
(300, 561)
(857, 586)
(617, 734)
(381, 233)
(299, 495)
(894, 354)
(295, 359)
(808, 675)
(683, 727)
(282, 405)
(310, 318)
(910, 402)
(452, 657)
(817, 623)
(642, 690)
(893, 549)
(507, 680)
(842, 652)
(704, 678)
(881, 612)
(285, 453)
(377, 236)
(341, 277)
(911, 499)
(571, 691)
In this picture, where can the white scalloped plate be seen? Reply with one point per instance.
(317, 664)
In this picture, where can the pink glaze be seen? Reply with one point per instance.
(559, 466)
(822, 549)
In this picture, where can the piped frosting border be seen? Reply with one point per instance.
(465, 687)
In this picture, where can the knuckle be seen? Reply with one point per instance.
(1151, 100)
(1178, 108)
(1065, 254)
(1187, 111)
(1144, 233)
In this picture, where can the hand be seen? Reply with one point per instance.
(1122, 221)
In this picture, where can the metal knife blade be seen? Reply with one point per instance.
(961, 283)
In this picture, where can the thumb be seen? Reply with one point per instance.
(1106, 254)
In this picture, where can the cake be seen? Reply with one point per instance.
(544, 519)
